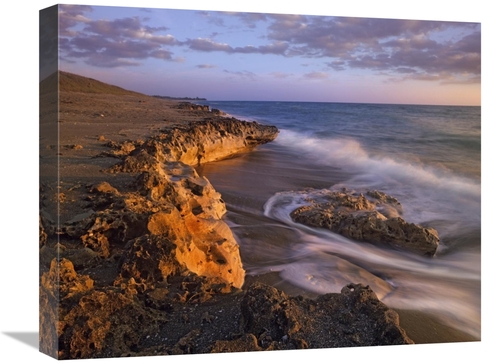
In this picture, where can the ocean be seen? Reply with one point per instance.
(428, 157)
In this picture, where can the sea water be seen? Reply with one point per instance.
(428, 157)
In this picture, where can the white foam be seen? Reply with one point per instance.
(428, 193)
(323, 262)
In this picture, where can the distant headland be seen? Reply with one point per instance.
(179, 98)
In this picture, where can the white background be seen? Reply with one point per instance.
(19, 177)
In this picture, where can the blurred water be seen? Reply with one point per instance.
(428, 157)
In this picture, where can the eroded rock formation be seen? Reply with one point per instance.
(141, 238)
(371, 217)
(147, 266)
(192, 315)
(211, 139)
(175, 207)
(351, 318)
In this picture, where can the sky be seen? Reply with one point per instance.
(20, 66)
(256, 56)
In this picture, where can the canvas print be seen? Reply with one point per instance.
(216, 182)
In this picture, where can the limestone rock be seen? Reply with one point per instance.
(174, 202)
(42, 238)
(190, 214)
(213, 139)
(80, 257)
(149, 260)
(107, 324)
(112, 228)
(245, 343)
(46, 227)
(374, 217)
(79, 321)
(59, 287)
(218, 112)
(191, 106)
(178, 204)
(104, 187)
(63, 282)
(354, 317)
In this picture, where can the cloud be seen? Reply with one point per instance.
(71, 15)
(111, 43)
(131, 28)
(206, 66)
(425, 58)
(247, 75)
(208, 45)
(382, 44)
(280, 75)
(317, 75)
(212, 17)
(251, 19)
(398, 48)
(337, 65)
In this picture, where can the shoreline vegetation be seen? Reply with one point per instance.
(135, 256)
(180, 98)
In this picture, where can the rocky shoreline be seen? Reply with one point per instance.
(135, 256)
(372, 216)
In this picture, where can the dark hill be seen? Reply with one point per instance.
(75, 83)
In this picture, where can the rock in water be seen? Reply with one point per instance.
(371, 217)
